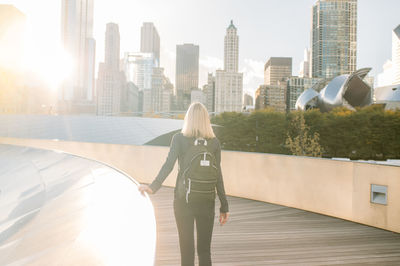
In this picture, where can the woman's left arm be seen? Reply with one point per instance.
(167, 167)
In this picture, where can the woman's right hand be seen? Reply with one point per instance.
(145, 188)
(223, 217)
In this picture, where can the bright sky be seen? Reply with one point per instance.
(266, 28)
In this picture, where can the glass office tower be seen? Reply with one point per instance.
(186, 74)
(334, 38)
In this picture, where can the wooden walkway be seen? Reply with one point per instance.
(259, 233)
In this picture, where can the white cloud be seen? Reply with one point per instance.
(211, 63)
(208, 64)
(253, 75)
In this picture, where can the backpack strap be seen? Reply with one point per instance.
(196, 142)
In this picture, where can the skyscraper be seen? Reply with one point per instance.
(277, 69)
(305, 65)
(112, 47)
(228, 82)
(231, 49)
(273, 96)
(396, 54)
(111, 80)
(187, 73)
(247, 99)
(150, 41)
(198, 96)
(209, 91)
(129, 98)
(334, 38)
(138, 69)
(77, 38)
(161, 91)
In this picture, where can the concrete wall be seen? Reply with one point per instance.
(336, 188)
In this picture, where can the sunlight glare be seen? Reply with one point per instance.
(119, 224)
(45, 58)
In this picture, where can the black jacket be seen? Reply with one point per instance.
(179, 146)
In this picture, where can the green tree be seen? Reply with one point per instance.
(300, 141)
(366, 133)
(234, 132)
(269, 131)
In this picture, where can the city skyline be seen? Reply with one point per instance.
(374, 33)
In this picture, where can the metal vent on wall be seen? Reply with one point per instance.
(379, 194)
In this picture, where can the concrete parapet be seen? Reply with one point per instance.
(336, 188)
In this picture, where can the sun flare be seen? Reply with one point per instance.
(46, 59)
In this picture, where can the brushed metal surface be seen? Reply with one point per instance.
(60, 209)
(344, 90)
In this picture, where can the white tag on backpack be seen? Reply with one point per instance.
(204, 163)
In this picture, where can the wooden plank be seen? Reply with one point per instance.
(260, 233)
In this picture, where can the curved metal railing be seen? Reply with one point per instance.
(57, 208)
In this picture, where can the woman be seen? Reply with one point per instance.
(196, 125)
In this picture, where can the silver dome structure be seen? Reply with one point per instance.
(348, 90)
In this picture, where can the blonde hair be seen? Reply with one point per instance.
(197, 122)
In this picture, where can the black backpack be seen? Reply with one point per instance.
(200, 173)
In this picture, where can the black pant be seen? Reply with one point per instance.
(185, 215)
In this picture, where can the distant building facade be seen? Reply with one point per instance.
(247, 100)
(229, 82)
(295, 87)
(78, 41)
(111, 81)
(187, 73)
(161, 91)
(228, 91)
(272, 96)
(277, 69)
(334, 38)
(167, 95)
(209, 93)
(197, 96)
(156, 89)
(231, 49)
(150, 41)
(138, 69)
(129, 98)
(305, 65)
(248, 104)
